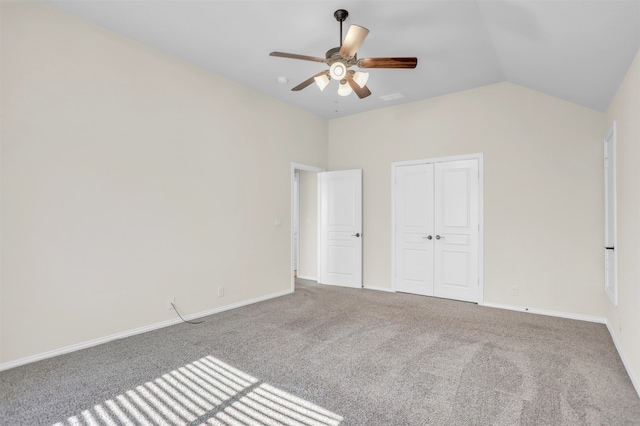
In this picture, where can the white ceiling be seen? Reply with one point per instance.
(577, 50)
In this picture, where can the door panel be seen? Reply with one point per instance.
(456, 227)
(455, 269)
(414, 270)
(340, 228)
(452, 193)
(340, 259)
(414, 226)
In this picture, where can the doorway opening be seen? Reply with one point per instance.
(304, 222)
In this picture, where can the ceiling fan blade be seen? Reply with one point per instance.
(387, 62)
(295, 56)
(362, 92)
(309, 81)
(353, 40)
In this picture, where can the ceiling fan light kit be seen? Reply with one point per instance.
(341, 58)
(322, 81)
(344, 89)
(361, 78)
(337, 70)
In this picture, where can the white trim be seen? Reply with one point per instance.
(308, 278)
(634, 379)
(385, 289)
(599, 320)
(295, 218)
(306, 168)
(478, 156)
(139, 330)
(579, 317)
(611, 289)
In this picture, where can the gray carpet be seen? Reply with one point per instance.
(336, 356)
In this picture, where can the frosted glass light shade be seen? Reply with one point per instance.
(361, 78)
(337, 71)
(344, 89)
(322, 81)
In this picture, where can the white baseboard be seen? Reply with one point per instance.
(139, 330)
(627, 366)
(600, 320)
(308, 278)
(386, 289)
(588, 318)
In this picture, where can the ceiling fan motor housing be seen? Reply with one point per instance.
(333, 55)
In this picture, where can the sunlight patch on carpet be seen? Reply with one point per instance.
(205, 392)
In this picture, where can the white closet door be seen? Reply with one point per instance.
(414, 229)
(457, 230)
(436, 229)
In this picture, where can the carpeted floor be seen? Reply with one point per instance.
(336, 356)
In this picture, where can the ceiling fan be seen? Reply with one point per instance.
(341, 58)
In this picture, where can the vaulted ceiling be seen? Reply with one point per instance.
(577, 50)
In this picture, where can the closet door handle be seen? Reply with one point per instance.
(356, 234)
(438, 237)
(428, 238)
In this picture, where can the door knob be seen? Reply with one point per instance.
(438, 237)
(428, 238)
(357, 234)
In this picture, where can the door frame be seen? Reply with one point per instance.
(476, 156)
(295, 222)
(306, 168)
(610, 215)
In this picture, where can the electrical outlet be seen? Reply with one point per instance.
(220, 291)
(514, 290)
(170, 300)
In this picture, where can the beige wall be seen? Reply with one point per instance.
(625, 318)
(543, 187)
(308, 225)
(129, 176)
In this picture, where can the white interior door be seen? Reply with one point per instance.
(414, 229)
(436, 232)
(457, 230)
(340, 214)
